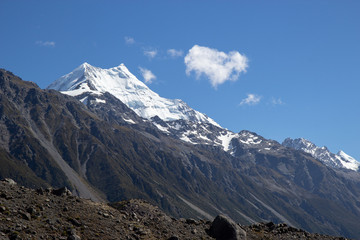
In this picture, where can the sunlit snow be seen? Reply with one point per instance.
(121, 83)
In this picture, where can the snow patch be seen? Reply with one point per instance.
(161, 128)
(226, 140)
(98, 100)
(129, 121)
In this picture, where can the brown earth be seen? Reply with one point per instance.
(57, 214)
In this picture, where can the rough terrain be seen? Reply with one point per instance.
(57, 214)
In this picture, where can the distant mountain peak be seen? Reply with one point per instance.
(121, 83)
(339, 160)
(85, 64)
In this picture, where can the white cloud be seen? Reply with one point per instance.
(45, 43)
(277, 101)
(175, 53)
(218, 66)
(129, 40)
(150, 53)
(147, 75)
(251, 99)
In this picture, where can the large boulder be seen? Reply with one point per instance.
(224, 228)
(9, 181)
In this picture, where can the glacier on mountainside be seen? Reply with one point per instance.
(121, 83)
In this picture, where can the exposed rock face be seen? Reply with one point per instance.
(30, 214)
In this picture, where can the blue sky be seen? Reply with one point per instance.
(302, 57)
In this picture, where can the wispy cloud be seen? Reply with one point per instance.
(251, 99)
(147, 75)
(45, 43)
(150, 53)
(175, 53)
(277, 101)
(218, 66)
(129, 40)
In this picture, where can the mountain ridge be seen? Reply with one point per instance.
(120, 82)
(257, 180)
(187, 124)
(339, 160)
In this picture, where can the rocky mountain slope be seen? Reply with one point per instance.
(104, 150)
(339, 160)
(56, 214)
(93, 85)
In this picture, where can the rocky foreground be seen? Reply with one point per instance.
(57, 214)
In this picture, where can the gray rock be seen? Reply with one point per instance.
(74, 237)
(25, 215)
(61, 191)
(2, 209)
(40, 191)
(75, 222)
(223, 228)
(191, 221)
(9, 181)
(173, 238)
(31, 210)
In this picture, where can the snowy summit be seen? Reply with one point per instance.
(121, 83)
(339, 160)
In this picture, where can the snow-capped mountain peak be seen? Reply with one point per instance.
(92, 85)
(348, 161)
(339, 160)
(121, 83)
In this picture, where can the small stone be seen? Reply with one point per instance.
(194, 231)
(71, 231)
(75, 222)
(14, 236)
(3, 195)
(31, 210)
(2, 209)
(191, 221)
(40, 191)
(49, 221)
(173, 238)
(270, 225)
(61, 191)
(74, 237)
(25, 215)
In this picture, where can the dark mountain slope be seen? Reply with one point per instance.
(106, 151)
